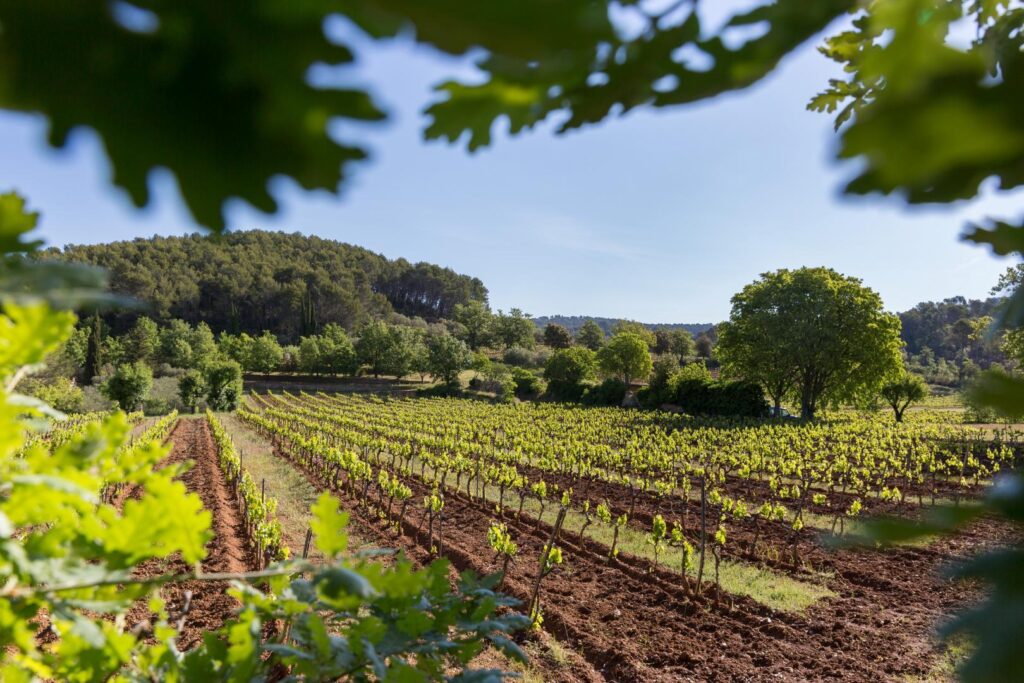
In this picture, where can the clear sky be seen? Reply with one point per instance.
(657, 216)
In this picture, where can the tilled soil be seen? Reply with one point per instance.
(201, 606)
(895, 596)
(633, 623)
(414, 547)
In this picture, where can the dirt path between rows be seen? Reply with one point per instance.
(208, 604)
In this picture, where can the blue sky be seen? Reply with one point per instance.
(656, 216)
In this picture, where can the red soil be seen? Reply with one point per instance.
(208, 604)
(635, 624)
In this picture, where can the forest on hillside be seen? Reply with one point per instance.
(256, 280)
(294, 285)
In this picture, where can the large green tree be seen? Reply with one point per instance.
(337, 354)
(263, 354)
(176, 344)
(386, 349)
(143, 341)
(823, 333)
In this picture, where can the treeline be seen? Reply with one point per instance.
(949, 342)
(252, 281)
(210, 366)
(574, 322)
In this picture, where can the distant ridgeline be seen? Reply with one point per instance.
(575, 322)
(256, 280)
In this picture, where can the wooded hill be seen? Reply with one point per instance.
(256, 280)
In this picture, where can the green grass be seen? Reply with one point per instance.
(952, 654)
(765, 586)
(283, 481)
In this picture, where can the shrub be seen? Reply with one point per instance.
(506, 389)
(709, 397)
(608, 393)
(527, 384)
(60, 393)
(440, 390)
(567, 370)
(156, 406)
(129, 385)
(519, 357)
(658, 390)
(695, 370)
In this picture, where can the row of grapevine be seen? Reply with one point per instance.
(771, 474)
(62, 430)
(338, 466)
(258, 511)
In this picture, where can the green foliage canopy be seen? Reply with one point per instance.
(901, 391)
(556, 336)
(191, 389)
(448, 357)
(626, 356)
(476, 320)
(568, 369)
(513, 329)
(822, 333)
(129, 385)
(223, 385)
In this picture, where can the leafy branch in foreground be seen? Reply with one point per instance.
(927, 118)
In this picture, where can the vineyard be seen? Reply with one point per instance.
(638, 545)
(656, 546)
